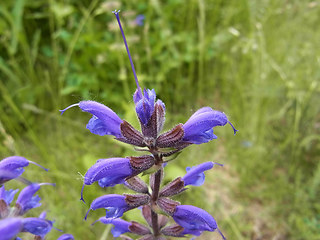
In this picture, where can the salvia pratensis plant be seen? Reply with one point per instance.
(156, 205)
(12, 216)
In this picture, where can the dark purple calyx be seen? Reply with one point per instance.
(167, 205)
(173, 188)
(136, 184)
(139, 229)
(131, 135)
(173, 230)
(142, 163)
(136, 200)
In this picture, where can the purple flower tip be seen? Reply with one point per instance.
(199, 128)
(103, 122)
(71, 106)
(34, 163)
(193, 218)
(195, 175)
(120, 226)
(37, 226)
(108, 172)
(66, 237)
(7, 195)
(234, 129)
(12, 167)
(82, 199)
(114, 204)
(26, 200)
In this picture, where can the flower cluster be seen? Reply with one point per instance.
(155, 202)
(12, 221)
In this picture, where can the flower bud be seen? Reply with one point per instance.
(167, 205)
(131, 135)
(136, 184)
(171, 138)
(138, 228)
(173, 188)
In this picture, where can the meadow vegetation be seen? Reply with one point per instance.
(257, 61)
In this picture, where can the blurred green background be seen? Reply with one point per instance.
(258, 61)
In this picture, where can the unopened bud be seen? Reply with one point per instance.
(138, 228)
(173, 188)
(167, 205)
(171, 138)
(142, 163)
(173, 230)
(137, 200)
(136, 184)
(130, 135)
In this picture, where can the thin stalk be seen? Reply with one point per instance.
(116, 13)
(155, 195)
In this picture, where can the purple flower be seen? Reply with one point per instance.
(108, 172)
(66, 237)
(10, 227)
(195, 175)
(145, 104)
(37, 226)
(114, 204)
(199, 128)
(7, 195)
(26, 200)
(111, 171)
(12, 167)
(140, 19)
(103, 122)
(193, 218)
(120, 226)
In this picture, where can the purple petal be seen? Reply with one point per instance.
(36, 226)
(198, 129)
(104, 120)
(140, 19)
(193, 218)
(26, 200)
(145, 105)
(7, 195)
(109, 123)
(66, 237)
(111, 170)
(195, 175)
(10, 227)
(12, 167)
(120, 226)
(108, 172)
(114, 204)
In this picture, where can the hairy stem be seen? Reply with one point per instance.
(155, 195)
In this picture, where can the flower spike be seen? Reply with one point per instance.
(116, 13)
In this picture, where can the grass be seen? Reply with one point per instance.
(257, 61)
